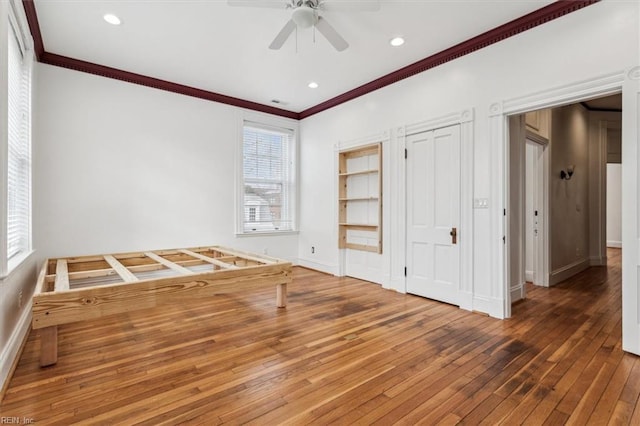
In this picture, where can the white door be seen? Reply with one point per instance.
(433, 214)
(535, 212)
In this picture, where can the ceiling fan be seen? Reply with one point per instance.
(306, 14)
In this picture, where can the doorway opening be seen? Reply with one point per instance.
(561, 160)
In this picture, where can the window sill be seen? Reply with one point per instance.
(265, 233)
(16, 263)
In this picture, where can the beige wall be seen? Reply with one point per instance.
(614, 143)
(569, 199)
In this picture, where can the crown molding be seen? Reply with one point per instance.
(143, 80)
(510, 29)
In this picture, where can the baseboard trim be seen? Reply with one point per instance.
(465, 298)
(614, 244)
(397, 284)
(528, 276)
(491, 306)
(362, 272)
(11, 355)
(517, 293)
(318, 266)
(568, 271)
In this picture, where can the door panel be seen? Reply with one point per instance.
(433, 210)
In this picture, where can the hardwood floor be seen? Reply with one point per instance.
(344, 351)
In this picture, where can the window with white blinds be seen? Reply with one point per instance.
(268, 179)
(18, 145)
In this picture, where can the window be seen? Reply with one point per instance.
(268, 179)
(18, 177)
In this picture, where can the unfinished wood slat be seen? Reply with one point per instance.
(359, 226)
(168, 263)
(359, 172)
(248, 256)
(62, 276)
(95, 273)
(209, 259)
(133, 255)
(124, 273)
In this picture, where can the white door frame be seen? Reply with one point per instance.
(541, 248)
(625, 81)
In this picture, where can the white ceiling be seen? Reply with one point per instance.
(215, 47)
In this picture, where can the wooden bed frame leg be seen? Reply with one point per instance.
(48, 346)
(281, 295)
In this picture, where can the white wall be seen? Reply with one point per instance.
(121, 167)
(614, 205)
(557, 53)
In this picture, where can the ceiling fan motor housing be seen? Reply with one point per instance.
(304, 16)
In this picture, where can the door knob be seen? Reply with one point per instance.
(454, 235)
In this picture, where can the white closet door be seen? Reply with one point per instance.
(433, 214)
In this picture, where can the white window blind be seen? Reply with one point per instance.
(268, 170)
(19, 146)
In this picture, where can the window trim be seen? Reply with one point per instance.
(13, 18)
(277, 124)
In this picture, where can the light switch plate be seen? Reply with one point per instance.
(480, 203)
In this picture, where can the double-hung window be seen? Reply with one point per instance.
(18, 143)
(268, 192)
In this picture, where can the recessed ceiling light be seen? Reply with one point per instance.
(396, 41)
(112, 19)
(313, 85)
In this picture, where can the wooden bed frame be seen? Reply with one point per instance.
(81, 288)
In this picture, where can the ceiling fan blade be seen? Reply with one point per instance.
(283, 35)
(350, 5)
(331, 34)
(273, 4)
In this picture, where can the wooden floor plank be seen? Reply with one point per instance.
(344, 351)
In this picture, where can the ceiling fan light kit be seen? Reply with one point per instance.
(306, 14)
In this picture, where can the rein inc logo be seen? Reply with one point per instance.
(16, 421)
